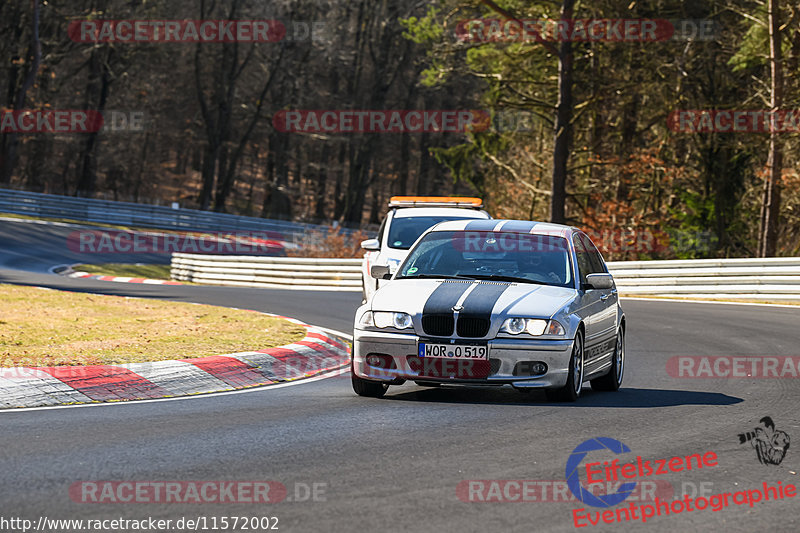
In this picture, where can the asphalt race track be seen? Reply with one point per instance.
(395, 464)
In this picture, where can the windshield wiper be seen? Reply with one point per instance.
(435, 276)
(498, 277)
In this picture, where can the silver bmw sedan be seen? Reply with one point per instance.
(493, 302)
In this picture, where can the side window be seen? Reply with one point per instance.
(584, 262)
(598, 265)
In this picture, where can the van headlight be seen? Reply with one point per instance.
(532, 326)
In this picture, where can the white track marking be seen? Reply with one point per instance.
(198, 397)
(191, 380)
(17, 383)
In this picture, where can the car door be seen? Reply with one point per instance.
(606, 317)
(591, 307)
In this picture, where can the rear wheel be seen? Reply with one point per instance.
(613, 380)
(365, 387)
(572, 389)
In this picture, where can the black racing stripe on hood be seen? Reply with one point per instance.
(518, 226)
(481, 300)
(444, 297)
(480, 225)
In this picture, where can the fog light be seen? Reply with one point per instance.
(380, 360)
(538, 368)
(530, 368)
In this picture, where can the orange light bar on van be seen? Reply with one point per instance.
(435, 201)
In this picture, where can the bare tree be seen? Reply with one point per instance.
(9, 153)
(771, 205)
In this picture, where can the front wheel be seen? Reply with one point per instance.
(613, 380)
(572, 389)
(365, 387)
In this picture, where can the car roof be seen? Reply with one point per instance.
(405, 212)
(510, 226)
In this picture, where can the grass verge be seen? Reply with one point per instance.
(127, 270)
(41, 327)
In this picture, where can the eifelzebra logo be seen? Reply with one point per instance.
(770, 444)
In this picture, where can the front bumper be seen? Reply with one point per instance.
(505, 355)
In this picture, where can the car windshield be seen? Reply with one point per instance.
(500, 256)
(404, 231)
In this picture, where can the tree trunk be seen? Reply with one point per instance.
(8, 158)
(424, 165)
(97, 90)
(563, 125)
(210, 156)
(338, 195)
(771, 206)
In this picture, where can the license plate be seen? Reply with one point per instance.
(453, 351)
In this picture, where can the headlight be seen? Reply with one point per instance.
(532, 326)
(555, 328)
(386, 319)
(515, 326)
(366, 319)
(535, 327)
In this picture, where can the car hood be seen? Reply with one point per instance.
(504, 299)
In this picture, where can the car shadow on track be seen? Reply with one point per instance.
(629, 398)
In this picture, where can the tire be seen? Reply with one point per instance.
(365, 387)
(572, 390)
(613, 380)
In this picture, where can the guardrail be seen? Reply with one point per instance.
(764, 279)
(270, 272)
(148, 216)
(775, 278)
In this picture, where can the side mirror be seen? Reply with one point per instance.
(380, 272)
(599, 281)
(371, 245)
